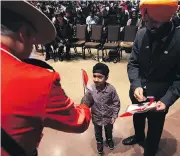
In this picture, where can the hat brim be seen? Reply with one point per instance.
(45, 30)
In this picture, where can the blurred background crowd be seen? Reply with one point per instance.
(66, 15)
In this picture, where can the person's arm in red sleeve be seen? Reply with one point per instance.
(61, 113)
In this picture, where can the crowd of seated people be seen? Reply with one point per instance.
(67, 14)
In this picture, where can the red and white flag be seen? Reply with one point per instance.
(136, 108)
(85, 79)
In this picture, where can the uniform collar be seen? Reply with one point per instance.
(6, 50)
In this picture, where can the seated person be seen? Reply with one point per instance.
(63, 38)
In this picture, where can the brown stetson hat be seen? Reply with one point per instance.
(45, 30)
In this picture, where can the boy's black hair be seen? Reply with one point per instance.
(101, 68)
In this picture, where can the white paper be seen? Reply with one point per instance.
(135, 108)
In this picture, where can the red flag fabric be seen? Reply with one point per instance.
(126, 114)
(84, 77)
(135, 108)
(151, 100)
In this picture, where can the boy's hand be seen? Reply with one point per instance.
(113, 120)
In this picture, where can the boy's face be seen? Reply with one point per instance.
(99, 79)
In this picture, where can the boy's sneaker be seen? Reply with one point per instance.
(100, 147)
(110, 144)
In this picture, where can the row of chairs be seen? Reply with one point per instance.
(112, 42)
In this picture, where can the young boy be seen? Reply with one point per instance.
(105, 105)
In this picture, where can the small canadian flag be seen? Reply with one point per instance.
(136, 108)
(85, 79)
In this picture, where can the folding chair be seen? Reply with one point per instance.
(96, 39)
(113, 40)
(129, 36)
(81, 32)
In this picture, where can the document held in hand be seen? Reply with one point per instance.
(140, 108)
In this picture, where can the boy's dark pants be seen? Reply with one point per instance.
(98, 132)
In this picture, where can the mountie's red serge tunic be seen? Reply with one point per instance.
(32, 98)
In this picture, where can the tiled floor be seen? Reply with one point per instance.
(56, 143)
